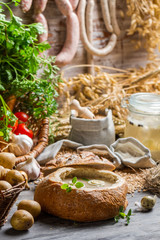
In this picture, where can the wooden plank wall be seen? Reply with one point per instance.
(123, 56)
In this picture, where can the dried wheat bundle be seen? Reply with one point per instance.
(106, 90)
(145, 20)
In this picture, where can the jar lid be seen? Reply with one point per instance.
(146, 103)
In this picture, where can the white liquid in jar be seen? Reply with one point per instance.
(149, 136)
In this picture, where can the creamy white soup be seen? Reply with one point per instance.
(91, 183)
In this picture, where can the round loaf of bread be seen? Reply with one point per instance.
(84, 204)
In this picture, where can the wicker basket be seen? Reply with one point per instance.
(7, 199)
(40, 129)
(41, 136)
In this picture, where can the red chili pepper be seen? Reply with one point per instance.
(22, 129)
(22, 116)
(14, 127)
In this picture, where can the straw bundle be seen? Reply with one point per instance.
(145, 20)
(105, 90)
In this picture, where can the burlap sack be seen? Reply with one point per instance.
(132, 153)
(93, 131)
(123, 152)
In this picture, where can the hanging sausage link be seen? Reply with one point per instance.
(72, 37)
(64, 7)
(106, 15)
(40, 18)
(25, 5)
(89, 29)
(112, 8)
(39, 7)
(67, 8)
(88, 46)
(74, 4)
(71, 43)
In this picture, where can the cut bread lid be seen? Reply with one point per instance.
(94, 156)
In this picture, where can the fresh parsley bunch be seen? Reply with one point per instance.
(32, 78)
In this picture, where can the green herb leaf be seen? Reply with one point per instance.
(1, 88)
(16, 2)
(128, 216)
(1, 134)
(69, 189)
(128, 220)
(123, 215)
(116, 218)
(74, 180)
(85, 179)
(129, 212)
(121, 209)
(79, 184)
(7, 119)
(64, 186)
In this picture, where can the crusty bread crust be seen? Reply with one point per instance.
(84, 158)
(85, 204)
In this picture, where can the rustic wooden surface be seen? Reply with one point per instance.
(123, 56)
(144, 226)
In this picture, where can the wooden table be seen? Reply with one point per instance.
(143, 226)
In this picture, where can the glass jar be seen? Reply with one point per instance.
(143, 122)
